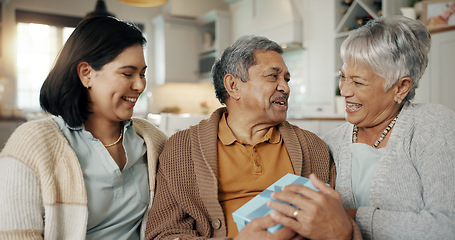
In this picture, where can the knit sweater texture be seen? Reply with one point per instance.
(186, 203)
(42, 190)
(411, 194)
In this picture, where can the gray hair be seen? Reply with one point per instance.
(392, 47)
(237, 59)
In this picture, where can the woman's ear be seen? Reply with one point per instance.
(84, 71)
(403, 88)
(231, 84)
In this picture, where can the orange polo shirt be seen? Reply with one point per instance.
(244, 170)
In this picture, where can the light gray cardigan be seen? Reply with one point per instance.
(412, 195)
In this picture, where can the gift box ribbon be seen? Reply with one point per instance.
(267, 194)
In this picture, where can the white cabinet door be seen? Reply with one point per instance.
(442, 69)
(175, 50)
(438, 83)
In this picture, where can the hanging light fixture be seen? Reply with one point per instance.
(144, 3)
(100, 10)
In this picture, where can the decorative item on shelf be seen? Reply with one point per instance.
(360, 22)
(377, 5)
(417, 5)
(144, 3)
(408, 12)
(207, 42)
(438, 15)
(347, 2)
(347, 29)
(363, 20)
(343, 10)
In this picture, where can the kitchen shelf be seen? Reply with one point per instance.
(362, 8)
(358, 9)
(344, 23)
(215, 32)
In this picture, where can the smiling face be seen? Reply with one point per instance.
(265, 94)
(367, 104)
(115, 88)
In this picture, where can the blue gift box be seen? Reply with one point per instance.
(257, 206)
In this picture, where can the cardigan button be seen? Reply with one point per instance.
(216, 223)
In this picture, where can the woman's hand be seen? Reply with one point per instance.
(320, 215)
(257, 229)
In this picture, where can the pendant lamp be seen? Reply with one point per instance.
(100, 10)
(144, 3)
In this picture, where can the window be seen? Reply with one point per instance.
(37, 48)
(40, 37)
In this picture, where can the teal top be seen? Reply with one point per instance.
(117, 199)
(365, 159)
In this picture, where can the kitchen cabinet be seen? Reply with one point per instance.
(175, 50)
(215, 31)
(184, 49)
(438, 84)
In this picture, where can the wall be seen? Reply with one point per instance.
(77, 8)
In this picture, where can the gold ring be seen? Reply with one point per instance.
(296, 213)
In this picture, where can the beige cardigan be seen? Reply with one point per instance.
(42, 191)
(186, 203)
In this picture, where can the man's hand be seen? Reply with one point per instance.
(257, 229)
(320, 215)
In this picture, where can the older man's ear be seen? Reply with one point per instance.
(231, 84)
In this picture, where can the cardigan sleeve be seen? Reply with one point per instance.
(21, 207)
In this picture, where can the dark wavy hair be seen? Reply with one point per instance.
(97, 41)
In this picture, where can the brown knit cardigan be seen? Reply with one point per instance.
(186, 201)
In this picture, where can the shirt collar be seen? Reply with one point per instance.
(126, 124)
(227, 137)
(224, 132)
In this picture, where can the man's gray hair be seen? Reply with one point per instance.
(237, 59)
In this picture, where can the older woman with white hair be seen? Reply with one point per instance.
(395, 159)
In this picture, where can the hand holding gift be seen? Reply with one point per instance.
(318, 214)
(257, 207)
(308, 207)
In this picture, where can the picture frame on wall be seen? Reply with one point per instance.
(438, 15)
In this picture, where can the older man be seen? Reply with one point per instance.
(209, 170)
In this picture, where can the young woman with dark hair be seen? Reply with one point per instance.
(89, 170)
